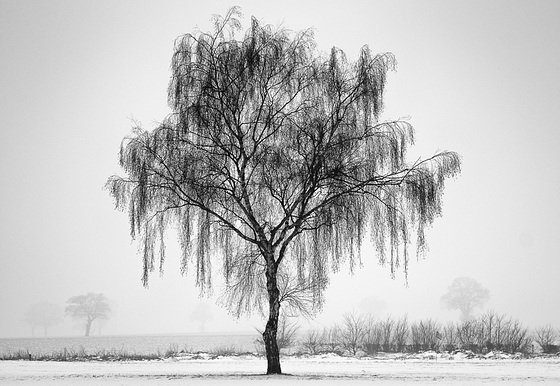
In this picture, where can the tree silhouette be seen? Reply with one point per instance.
(202, 313)
(465, 294)
(275, 163)
(43, 314)
(89, 308)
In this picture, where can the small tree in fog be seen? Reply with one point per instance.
(43, 315)
(203, 314)
(371, 305)
(88, 308)
(275, 162)
(100, 325)
(465, 294)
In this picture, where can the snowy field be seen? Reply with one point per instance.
(323, 370)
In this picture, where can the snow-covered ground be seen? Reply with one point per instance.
(193, 369)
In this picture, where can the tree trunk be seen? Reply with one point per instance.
(269, 334)
(88, 327)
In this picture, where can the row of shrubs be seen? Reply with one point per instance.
(361, 333)
(81, 354)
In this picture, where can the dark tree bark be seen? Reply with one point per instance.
(271, 330)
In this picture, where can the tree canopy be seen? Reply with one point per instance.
(89, 308)
(275, 163)
(42, 314)
(465, 294)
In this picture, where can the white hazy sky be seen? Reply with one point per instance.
(477, 77)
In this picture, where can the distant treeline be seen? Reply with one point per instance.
(491, 331)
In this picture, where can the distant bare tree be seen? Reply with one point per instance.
(401, 334)
(287, 332)
(545, 336)
(331, 338)
(449, 338)
(312, 342)
(495, 329)
(89, 308)
(492, 330)
(352, 332)
(467, 334)
(43, 315)
(387, 335)
(373, 336)
(275, 161)
(203, 314)
(387, 327)
(425, 335)
(517, 336)
(465, 294)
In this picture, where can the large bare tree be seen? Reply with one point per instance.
(275, 163)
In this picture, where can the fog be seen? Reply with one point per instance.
(479, 78)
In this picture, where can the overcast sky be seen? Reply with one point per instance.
(477, 77)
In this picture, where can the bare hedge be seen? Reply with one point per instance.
(489, 332)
